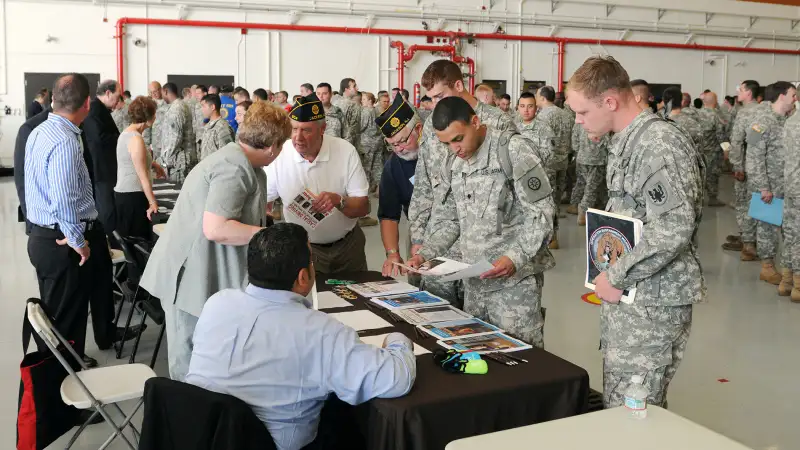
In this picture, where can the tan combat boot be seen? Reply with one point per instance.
(582, 220)
(554, 243)
(748, 252)
(786, 287)
(572, 209)
(768, 272)
(796, 289)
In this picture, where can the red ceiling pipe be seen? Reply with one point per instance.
(560, 81)
(471, 64)
(400, 66)
(423, 33)
(428, 48)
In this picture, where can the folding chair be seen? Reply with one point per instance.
(93, 388)
(118, 262)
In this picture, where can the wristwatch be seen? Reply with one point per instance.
(391, 251)
(340, 206)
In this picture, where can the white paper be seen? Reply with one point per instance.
(361, 320)
(158, 192)
(377, 341)
(441, 266)
(417, 316)
(313, 297)
(474, 270)
(330, 300)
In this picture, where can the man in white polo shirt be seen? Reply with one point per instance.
(328, 167)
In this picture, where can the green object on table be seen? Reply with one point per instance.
(476, 367)
(336, 282)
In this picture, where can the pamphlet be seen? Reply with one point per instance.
(494, 342)
(459, 328)
(361, 320)
(430, 314)
(327, 300)
(409, 300)
(301, 207)
(379, 288)
(436, 266)
(377, 341)
(609, 237)
(474, 270)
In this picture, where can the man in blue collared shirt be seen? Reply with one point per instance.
(266, 346)
(61, 210)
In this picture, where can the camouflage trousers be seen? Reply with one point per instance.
(642, 340)
(590, 188)
(767, 236)
(571, 179)
(177, 173)
(747, 226)
(713, 171)
(557, 182)
(516, 309)
(791, 233)
(372, 161)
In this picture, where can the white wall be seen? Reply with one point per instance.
(275, 60)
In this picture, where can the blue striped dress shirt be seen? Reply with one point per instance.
(58, 190)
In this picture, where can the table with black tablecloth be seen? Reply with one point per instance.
(443, 407)
(164, 200)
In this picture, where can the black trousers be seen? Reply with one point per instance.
(68, 289)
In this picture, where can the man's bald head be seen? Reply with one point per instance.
(710, 99)
(154, 89)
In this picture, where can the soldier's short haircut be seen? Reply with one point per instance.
(106, 85)
(285, 94)
(770, 94)
(673, 94)
(126, 94)
(506, 97)
(243, 91)
(442, 70)
(424, 98)
(70, 92)
(202, 88)
(212, 99)
(698, 103)
(781, 88)
(308, 86)
(215, 87)
(730, 99)
(261, 94)
(548, 93)
(404, 93)
(600, 74)
(528, 95)
(382, 93)
(345, 84)
(449, 110)
(325, 85)
(752, 86)
(171, 87)
(640, 82)
(186, 91)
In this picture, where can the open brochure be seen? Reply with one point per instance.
(609, 237)
(459, 328)
(430, 314)
(448, 269)
(379, 288)
(494, 342)
(301, 207)
(408, 300)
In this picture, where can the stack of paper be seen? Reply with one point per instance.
(382, 288)
(459, 328)
(327, 300)
(409, 300)
(430, 314)
(361, 320)
(494, 342)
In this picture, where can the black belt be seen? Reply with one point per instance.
(90, 225)
(331, 244)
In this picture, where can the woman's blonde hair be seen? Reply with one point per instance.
(265, 125)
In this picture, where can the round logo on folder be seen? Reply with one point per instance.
(606, 246)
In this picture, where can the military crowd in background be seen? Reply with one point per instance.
(478, 177)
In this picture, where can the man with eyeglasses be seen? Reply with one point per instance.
(401, 128)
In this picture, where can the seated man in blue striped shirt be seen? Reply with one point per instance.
(61, 210)
(266, 346)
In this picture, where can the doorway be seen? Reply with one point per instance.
(35, 81)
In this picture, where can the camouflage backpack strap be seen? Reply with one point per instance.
(627, 200)
(504, 158)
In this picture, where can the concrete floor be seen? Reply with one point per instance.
(744, 334)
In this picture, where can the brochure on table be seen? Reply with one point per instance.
(494, 342)
(409, 300)
(429, 314)
(382, 288)
(459, 328)
(609, 237)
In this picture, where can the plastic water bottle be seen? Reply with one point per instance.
(636, 398)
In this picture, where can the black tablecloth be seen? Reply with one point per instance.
(443, 407)
(164, 200)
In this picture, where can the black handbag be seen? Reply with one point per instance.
(42, 416)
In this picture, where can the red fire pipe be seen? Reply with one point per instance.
(427, 48)
(471, 64)
(400, 66)
(560, 81)
(423, 33)
(416, 94)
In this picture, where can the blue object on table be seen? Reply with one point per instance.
(766, 212)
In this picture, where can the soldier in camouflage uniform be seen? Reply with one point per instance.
(497, 204)
(654, 175)
(686, 119)
(153, 136)
(592, 155)
(120, 115)
(764, 163)
(333, 115)
(372, 145)
(561, 123)
(441, 79)
(351, 112)
(791, 206)
(537, 131)
(217, 133)
(178, 151)
(713, 125)
(198, 120)
(746, 241)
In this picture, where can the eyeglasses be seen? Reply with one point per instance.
(402, 143)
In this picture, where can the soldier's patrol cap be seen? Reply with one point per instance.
(395, 118)
(307, 109)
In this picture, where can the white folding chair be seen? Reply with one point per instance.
(118, 263)
(94, 388)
